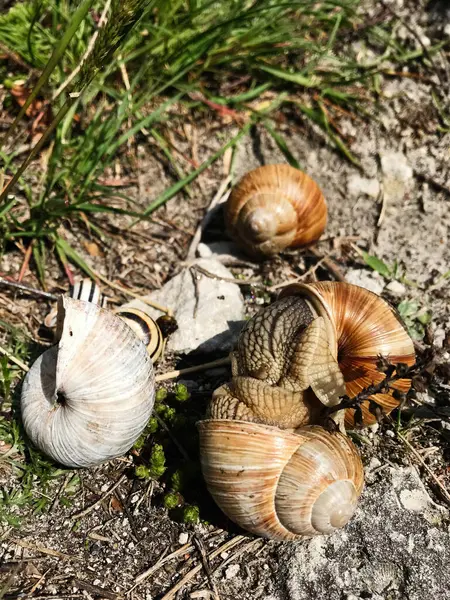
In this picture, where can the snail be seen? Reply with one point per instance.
(275, 207)
(266, 458)
(88, 398)
(141, 323)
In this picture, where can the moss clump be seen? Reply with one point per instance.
(181, 393)
(157, 462)
(191, 514)
(172, 500)
(161, 395)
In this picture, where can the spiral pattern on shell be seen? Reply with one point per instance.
(275, 207)
(88, 399)
(278, 484)
(361, 328)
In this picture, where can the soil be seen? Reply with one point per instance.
(100, 554)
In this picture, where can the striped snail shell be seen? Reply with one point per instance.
(84, 289)
(146, 329)
(88, 399)
(275, 207)
(360, 327)
(266, 460)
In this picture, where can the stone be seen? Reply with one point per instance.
(396, 546)
(183, 538)
(358, 185)
(397, 175)
(372, 281)
(226, 252)
(396, 288)
(209, 313)
(231, 571)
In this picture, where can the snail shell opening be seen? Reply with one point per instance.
(89, 398)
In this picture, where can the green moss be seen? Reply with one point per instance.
(181, 392)
(160, 395)
(142, 472)
(157, 462)
(191, 514)
(172, 500)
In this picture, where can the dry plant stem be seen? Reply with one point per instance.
(25, 288)
(119, 288)
(230, 544)
(329, 264)
(162, 561)
(95, 589)
(383, 386)
(89, 49)
(43, 550)
(206, 567)
(13, 359)
(444, 491)
(219, 197)
(253, 282)
(221, 362)
(87, 510)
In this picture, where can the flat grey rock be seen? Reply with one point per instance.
(209, 312)
(397, 546)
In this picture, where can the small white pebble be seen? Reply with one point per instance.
(183, 538)
(390, 433)
(224, 555)
(104, 487)
(97, 582)
(232, 571)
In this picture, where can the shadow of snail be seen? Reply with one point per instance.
(268, 463)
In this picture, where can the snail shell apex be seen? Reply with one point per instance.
(89, 398)
(275, 207)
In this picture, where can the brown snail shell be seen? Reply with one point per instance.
(267, 463)
(361, 328)
(275, 207)
(279, 484)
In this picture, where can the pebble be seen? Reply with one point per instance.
(232, 571)
(397, 288)
(390, 433)
(183, 538)
(358, 185)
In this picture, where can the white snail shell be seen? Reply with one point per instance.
(88, 399)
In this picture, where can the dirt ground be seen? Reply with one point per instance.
(101, 544)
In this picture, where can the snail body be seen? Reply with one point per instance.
(88, 399)
(267, 461)
(275, 207)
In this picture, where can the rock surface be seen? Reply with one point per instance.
(397, 546)
(209, 312)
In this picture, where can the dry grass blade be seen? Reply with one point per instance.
(193, 572)
(162, 561)
(87, 510)
(221, 362)
(443, 489)
(43, 550)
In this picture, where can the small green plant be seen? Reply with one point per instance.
(191, 514)
(172, 500)
(416, 318)
(181, 393)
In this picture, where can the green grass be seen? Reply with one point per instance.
(254, 58)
